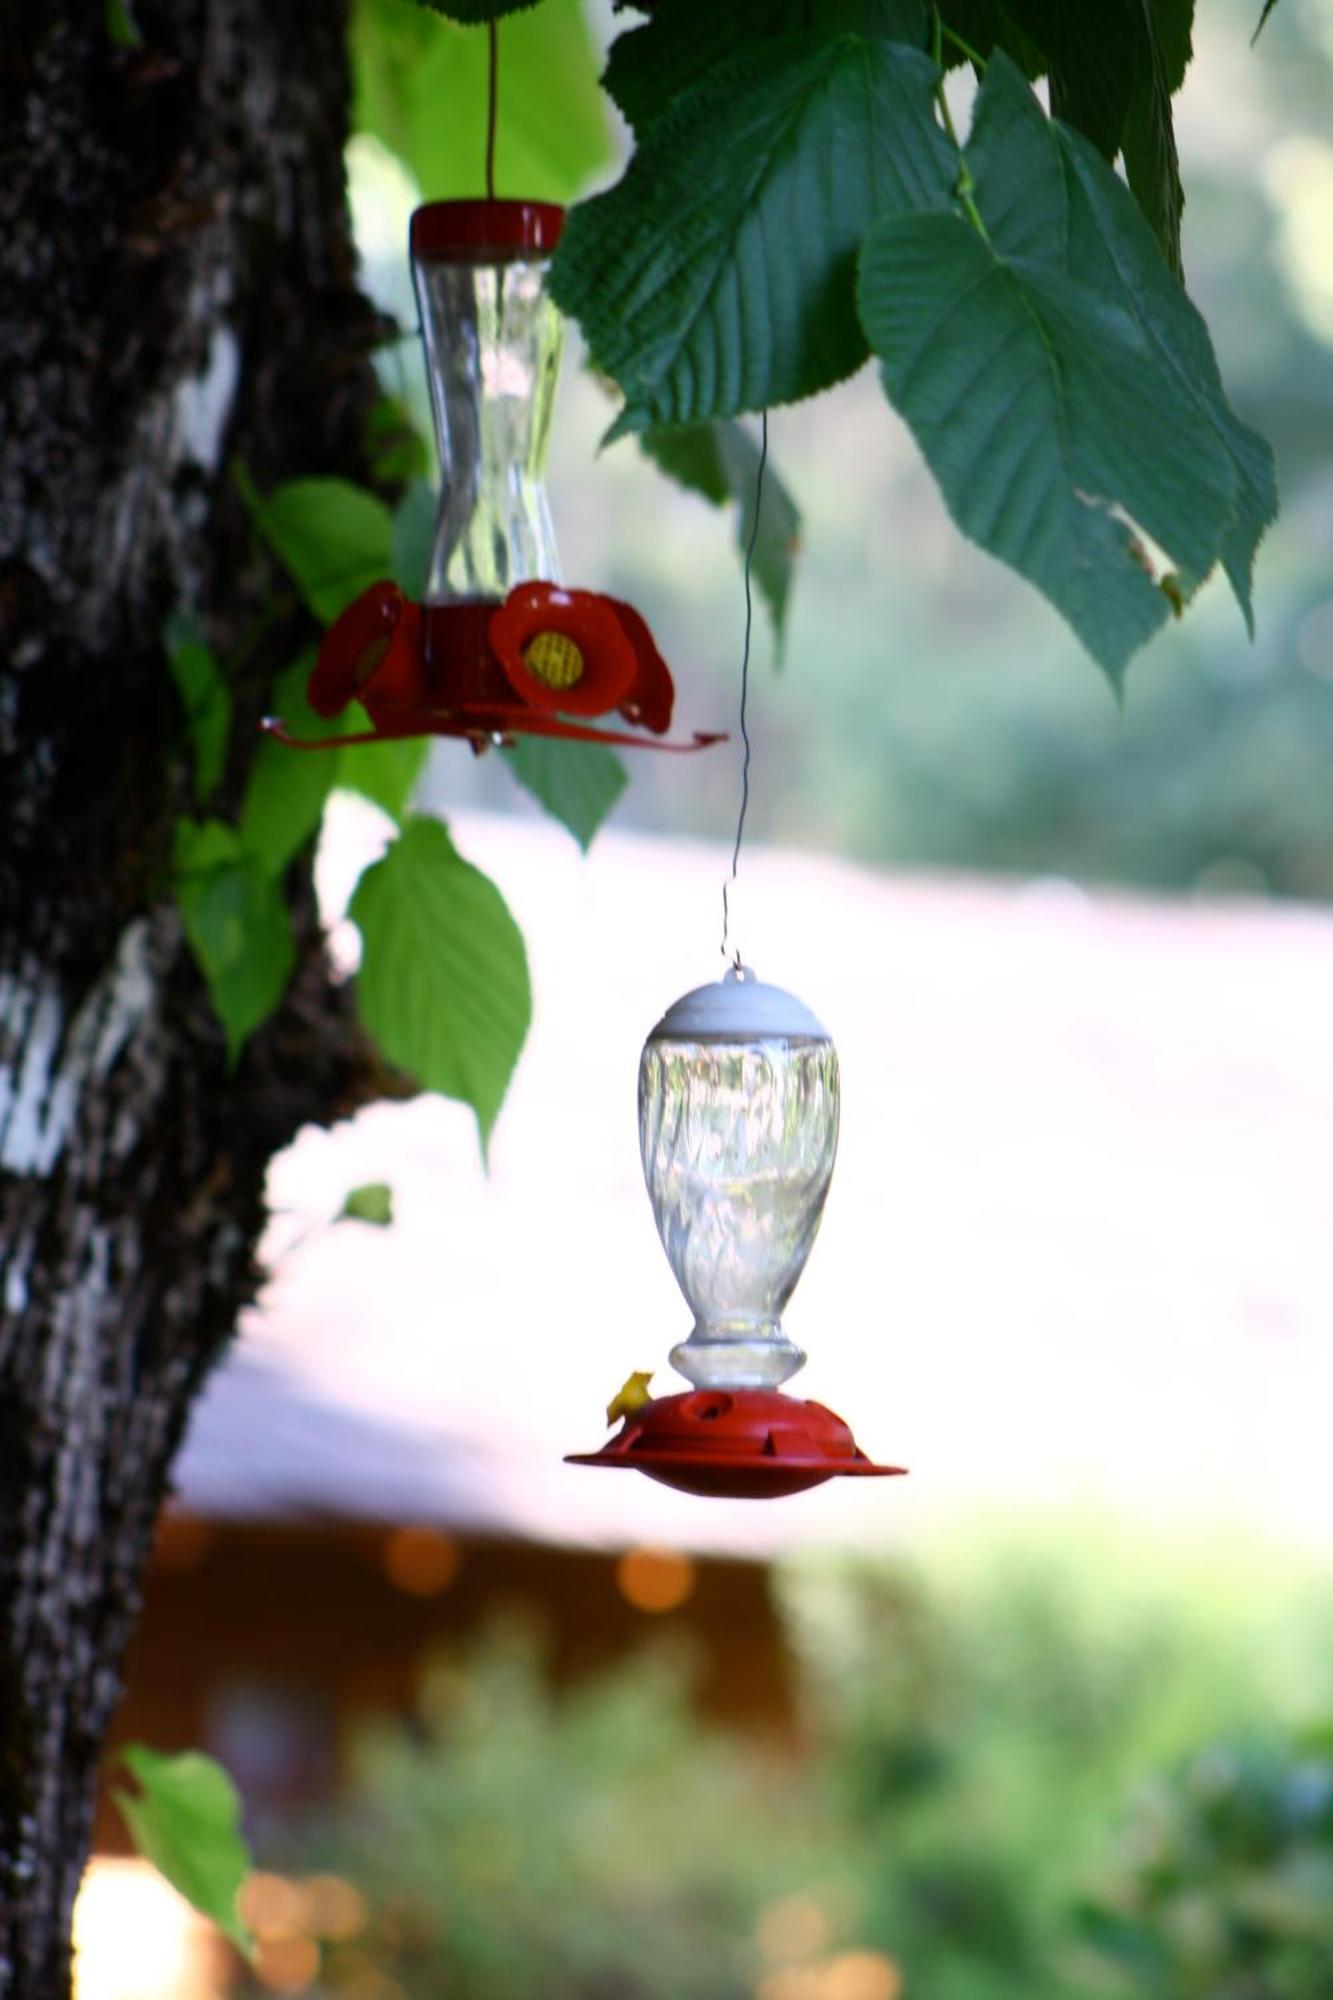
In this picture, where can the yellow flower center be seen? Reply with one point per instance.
(553, 659)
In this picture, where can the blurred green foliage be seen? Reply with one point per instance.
(972, 1807)
(598, 1844)
(1223, 1885)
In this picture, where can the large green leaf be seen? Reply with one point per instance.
(237, 923)
(718, 276)
(333, 538)
(650, 66)
(186, 1819)
(721, 462)
(443, 986)
(204, 695)
(420, 86)
(1112, 69)
(578, 783)
(1060, 383)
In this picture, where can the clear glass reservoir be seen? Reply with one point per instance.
(493, 340)
(738, 1129)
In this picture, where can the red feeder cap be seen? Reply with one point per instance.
(485, 232)
(737, 1444)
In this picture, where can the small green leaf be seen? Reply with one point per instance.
(553, 132)
(413, 537)
(186, 1819)
(721, 461)
(719, 275)
(237, 923)
(204, 695)
(443, 986)
(395, 447)
(1060, 383)
(288, 789)
(1269, 5)
(372, 1203)
(121, 26)
(334, 539)
(578, 783)
(385, 773)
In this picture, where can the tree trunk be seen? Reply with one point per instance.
(176, 292)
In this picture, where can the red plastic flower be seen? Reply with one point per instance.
(371, 653)
(576, 652)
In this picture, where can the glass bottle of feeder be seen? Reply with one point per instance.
(498, 646)
(738, 1129)
(493, 340)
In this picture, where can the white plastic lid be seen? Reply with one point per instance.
(738, 1008)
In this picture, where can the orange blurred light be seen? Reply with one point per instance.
(273, 1907)
(287, 1965)
(654, 1579)
(334, 1909)
(861, 1975)
(421, 1561)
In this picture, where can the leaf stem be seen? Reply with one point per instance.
(964, 186)
(977, 60)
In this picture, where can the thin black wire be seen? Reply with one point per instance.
(745, 687)
(492, 102)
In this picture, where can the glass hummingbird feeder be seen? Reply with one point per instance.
(498, 647)
(738, 1128)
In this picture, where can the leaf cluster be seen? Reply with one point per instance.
(799, 199)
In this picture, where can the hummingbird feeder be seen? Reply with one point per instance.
(498, 646)
(738, 1128)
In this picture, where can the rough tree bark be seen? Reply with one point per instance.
(176, 288)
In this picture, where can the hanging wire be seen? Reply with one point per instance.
(745, 690)
(492, 101)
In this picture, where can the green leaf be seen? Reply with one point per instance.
(237, 924)
(1112, 76)
(577, 783)
(1060, 383)
(288, 789)
(1115, 85)
(372, 1203)
(384, 773)
(1148, 138)
(204, 695)
(186, 1819)
(1269, 5)
(720, 461)
(650, 66)
(443, 986)
(718, 276)
(333, 538)
(413, 537)
(420, 86)
(395, 447)
(121, 26)
(472, 12)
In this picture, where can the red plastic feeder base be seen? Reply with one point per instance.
(737, 1444)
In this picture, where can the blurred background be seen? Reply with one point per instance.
(1052, 1717)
